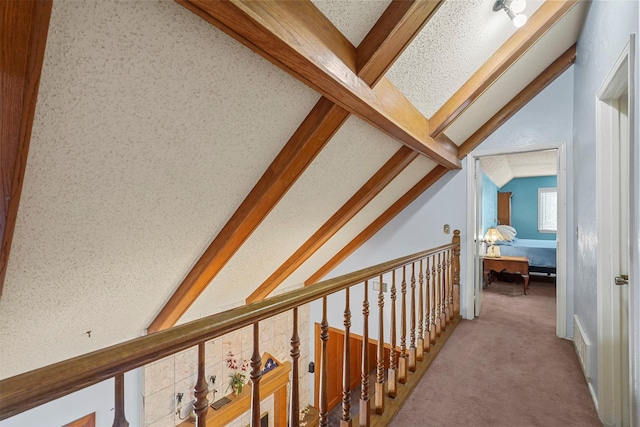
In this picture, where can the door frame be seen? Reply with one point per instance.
(614, 385)
(562, 235)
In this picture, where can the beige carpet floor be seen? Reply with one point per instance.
(505, 368)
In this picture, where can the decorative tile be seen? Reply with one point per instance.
(213, 351)
(159, 375)
(186, 387)
(167, 421)
(186, 364)
(159, 405)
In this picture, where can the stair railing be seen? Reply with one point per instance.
(438, 305)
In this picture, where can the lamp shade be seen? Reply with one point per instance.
(493, 235)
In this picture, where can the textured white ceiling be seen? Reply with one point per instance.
(354, 18)
(542, 54)
(403, 183)
(503, 168)
(352, 156)
(460, 37)
(151, 128)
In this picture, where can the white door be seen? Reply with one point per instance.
(479, 244)
(613, 221)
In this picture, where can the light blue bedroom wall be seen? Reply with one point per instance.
(604, 35)
(524, 205)
(489, 203)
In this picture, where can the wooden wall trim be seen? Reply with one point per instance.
(544, 79)
(23, 36)
(400, 160)
(297, 37)
(86, 421)
(422, 185)
(544, 18)
(316, 130)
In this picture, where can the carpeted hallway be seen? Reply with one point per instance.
(506, 368)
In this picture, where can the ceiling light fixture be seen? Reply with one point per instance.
(513, 9)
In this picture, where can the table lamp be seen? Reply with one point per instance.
(492, 236)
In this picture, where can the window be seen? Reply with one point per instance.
(547, 210)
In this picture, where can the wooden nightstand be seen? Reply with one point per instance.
(510, 264)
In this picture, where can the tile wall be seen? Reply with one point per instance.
(164, 379)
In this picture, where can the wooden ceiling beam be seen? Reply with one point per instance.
(297, 37)
(394, 31)
(316, 130)
(404, 201)
(543, 80)
(544, 18)
(400, 160)
(561, 64)
(23, 36)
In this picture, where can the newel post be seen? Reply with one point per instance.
(456, 273)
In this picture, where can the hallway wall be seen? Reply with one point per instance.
(605, 34)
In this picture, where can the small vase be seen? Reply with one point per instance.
(237, 389)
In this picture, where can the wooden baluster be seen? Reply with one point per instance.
(256, 362)
(201, 404)
(294, 398)
(447, 283)
(324, 370)
(346, 365)
(392, 380)
(365, 405)
(379, 396)
(438, 291)
(427, 314)
(434, 302)
(119, 419)
(456, 273)
(449, 286)
(451, 305)
(412, 331)
(443, 295)
(402, 365)
(420, 343)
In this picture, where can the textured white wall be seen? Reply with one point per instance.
(605, 34)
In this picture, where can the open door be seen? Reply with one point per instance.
(614, 107)
(479, 244)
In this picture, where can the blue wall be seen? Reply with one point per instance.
(489, 203)
(524, 205)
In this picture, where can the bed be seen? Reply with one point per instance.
(541, 253)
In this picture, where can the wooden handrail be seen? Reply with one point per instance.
(34, 388)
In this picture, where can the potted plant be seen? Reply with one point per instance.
(238, 378)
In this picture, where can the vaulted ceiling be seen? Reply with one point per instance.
(187, 158)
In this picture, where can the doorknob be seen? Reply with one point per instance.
(623, 279)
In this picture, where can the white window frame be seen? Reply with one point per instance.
(541, 192)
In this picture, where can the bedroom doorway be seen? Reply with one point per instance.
(554, 157)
